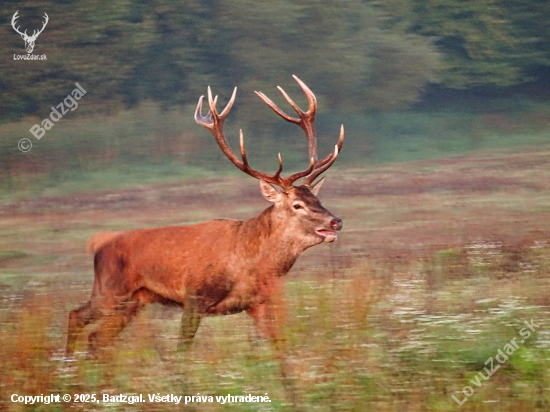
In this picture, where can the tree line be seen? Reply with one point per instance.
(359, 55)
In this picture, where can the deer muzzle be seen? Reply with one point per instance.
(329, 235)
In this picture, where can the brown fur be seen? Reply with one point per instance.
(99, 240)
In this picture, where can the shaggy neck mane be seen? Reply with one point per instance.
(262, 226)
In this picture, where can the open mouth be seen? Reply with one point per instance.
(327, 235)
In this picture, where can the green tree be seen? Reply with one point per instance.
(168, 51)
(338, 46)
(530, 20)
(483, 42)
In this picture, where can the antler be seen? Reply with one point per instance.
(13, 19)
(214, 122)
(35, 33)
(306, 122)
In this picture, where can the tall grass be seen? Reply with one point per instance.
(355, 342)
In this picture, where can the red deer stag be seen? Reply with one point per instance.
(219, 267)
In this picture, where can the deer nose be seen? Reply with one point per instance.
(336, 223)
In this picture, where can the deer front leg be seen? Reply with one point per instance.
(190, 321)
(268, 323)
(269, 319)
(269, 313)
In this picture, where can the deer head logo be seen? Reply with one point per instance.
(29, 40)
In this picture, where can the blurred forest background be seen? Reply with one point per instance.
(410, 79)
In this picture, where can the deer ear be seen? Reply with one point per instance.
(269, 192)
(315, 188)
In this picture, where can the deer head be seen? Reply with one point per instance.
(297, 207)
(29, 40)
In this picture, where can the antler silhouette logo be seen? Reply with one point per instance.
(29, 40)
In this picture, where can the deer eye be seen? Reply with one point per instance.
(297, 206)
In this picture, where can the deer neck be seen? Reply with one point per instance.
(268, 241)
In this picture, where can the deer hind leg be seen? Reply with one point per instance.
(92, 311)
(112, 324)
(78, 319)
(116, 320)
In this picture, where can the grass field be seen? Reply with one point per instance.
(438, 267)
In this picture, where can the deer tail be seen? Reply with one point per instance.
(96, 242)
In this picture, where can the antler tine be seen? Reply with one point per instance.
(319, 170)
(199, 118)
(280, 167)
(212, 103)
(276, 109)
(312, 100)
(327, 162)
(340, 143)
(230, 104)
(214, 122)
(47, 20)
(243, 152)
